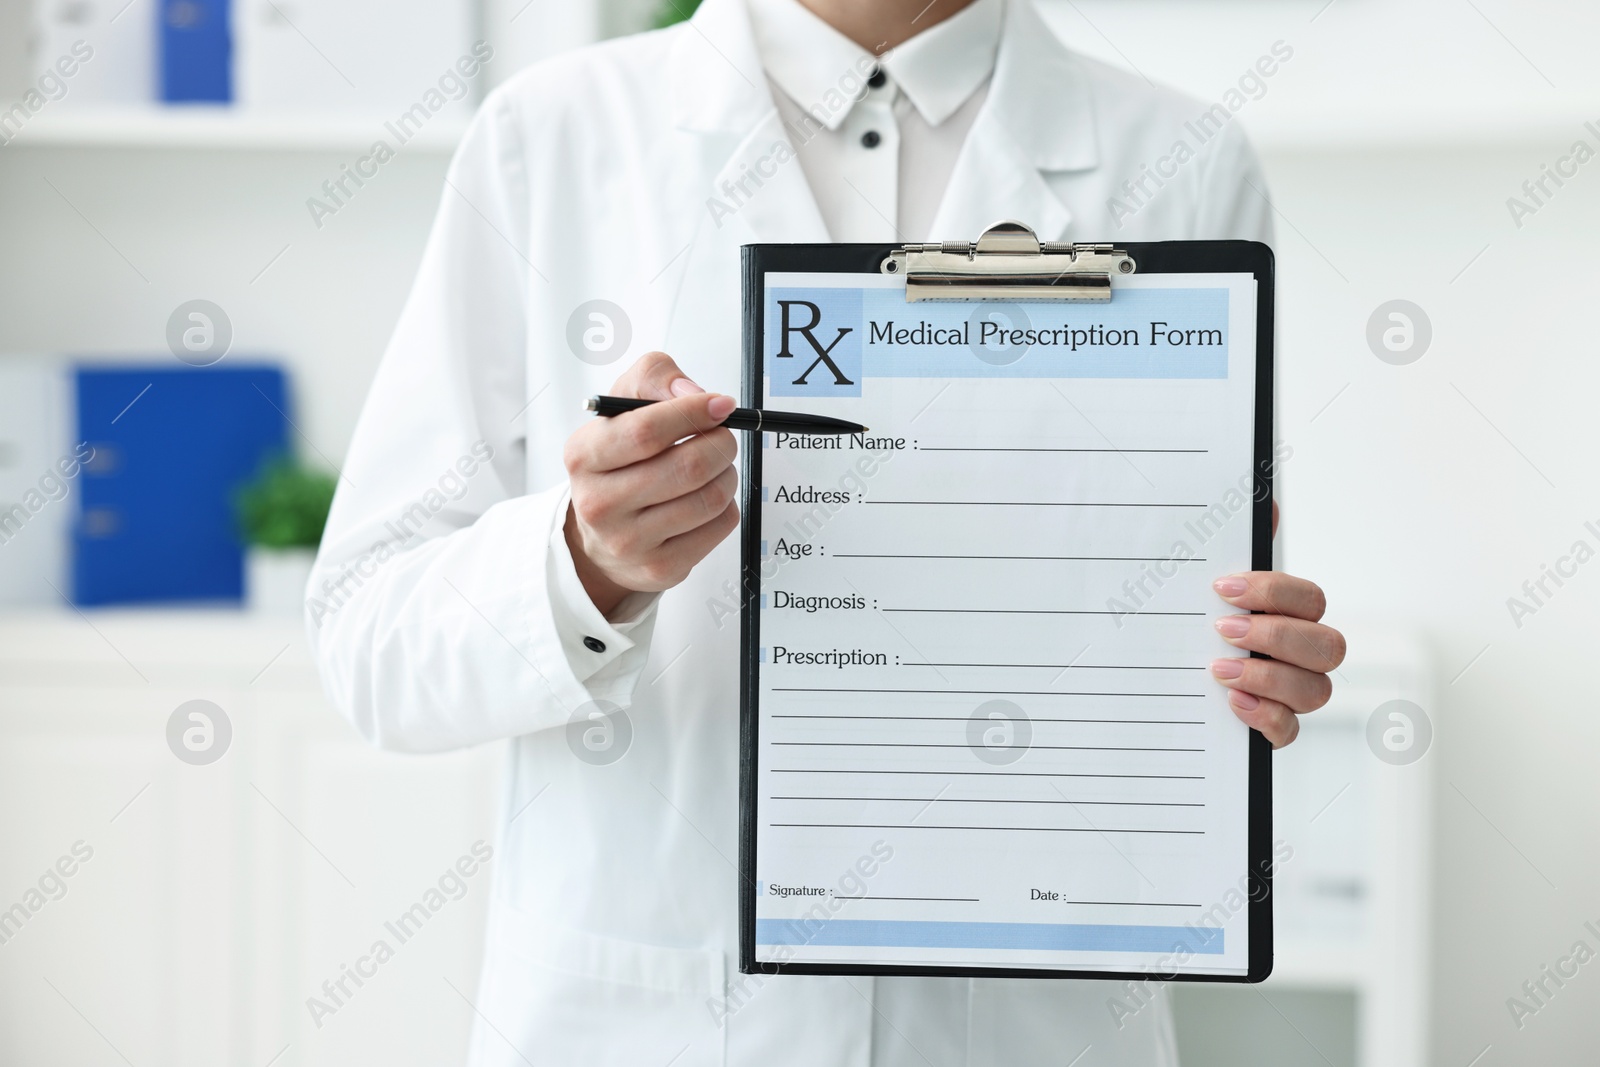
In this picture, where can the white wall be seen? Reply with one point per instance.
(1406, 72)
(205, 223)
(1408, 503)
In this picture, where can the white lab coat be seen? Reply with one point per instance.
(612, 937)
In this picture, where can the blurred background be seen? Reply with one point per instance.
(1438, 363)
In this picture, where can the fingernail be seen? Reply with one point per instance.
(1233, 625)
(1232, 585)
(1242, 700)
(720, 407)
(685, 387)
(1227, 668)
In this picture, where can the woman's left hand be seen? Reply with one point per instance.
(1269, 694)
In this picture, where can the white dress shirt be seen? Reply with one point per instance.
(877, 159)
(606, 654)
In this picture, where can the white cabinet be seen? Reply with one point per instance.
(220, 897)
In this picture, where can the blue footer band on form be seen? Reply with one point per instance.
(1070, 937)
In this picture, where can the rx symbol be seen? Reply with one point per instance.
(824, 354)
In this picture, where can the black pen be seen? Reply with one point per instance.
(740, 418)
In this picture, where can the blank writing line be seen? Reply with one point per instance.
(980, 692)
(918, 744)
(953, 900)
(987, 774)
(964, 718)
(940, 555)
(1035, 504)
(1038, 829)
(1044, 611)
(1005, 800)
(1136, 451)
(1133, 904)
(1063, 666)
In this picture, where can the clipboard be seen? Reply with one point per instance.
(1052, 935)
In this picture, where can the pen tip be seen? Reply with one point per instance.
(592, 404)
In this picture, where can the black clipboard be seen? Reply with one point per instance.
(1091, 268)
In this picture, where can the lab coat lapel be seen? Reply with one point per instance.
(996, 179)
(1038, 118)
(762, 188)
(753, 184)
(723, 114)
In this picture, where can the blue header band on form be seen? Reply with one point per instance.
(1059, 937)
(821, 341)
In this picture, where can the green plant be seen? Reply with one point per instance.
(671, 12)
(284, 506)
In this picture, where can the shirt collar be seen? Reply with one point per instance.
(823, 71)
(940, 68)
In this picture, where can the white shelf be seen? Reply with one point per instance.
(1376, 126)
(120, 649)
(234, 129)
(227, 128)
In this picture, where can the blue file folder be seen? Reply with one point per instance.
(171, 446)
(196, 51)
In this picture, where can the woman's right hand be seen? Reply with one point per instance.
(652, 489)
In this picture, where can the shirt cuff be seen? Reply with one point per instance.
(606, 655)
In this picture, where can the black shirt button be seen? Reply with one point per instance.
(594, 644)
(870, 139)
(878, 79)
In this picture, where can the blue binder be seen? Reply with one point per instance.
(171, 445)
(196, 51)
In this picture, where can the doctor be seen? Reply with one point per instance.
(498, 566)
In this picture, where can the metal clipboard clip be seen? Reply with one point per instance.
(1008, 262)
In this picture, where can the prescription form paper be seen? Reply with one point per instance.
(987, 736)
